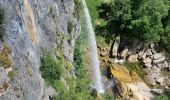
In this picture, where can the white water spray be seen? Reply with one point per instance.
(93, 51)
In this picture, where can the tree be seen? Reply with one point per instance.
(167, 38)
(121, 12)
(149, 22)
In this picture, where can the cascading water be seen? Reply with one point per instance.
(93, 51)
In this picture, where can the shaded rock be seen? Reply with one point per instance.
(115, 46)
(159, 60)
(153, 51)
(133, 58)
(147, 60)
(157, 91)
(124, 53)
(150, 80)
(157, 56)
(151, 45)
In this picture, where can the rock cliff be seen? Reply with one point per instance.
(29, 27)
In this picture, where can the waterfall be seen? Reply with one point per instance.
(93, 51)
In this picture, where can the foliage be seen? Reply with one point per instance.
(152, 27)
(109, 97)
(77, 8)
(51, 68)
(164, 96)
(143, 20)
(70, 26)
(4, 56)
(53, 10)
(143, 30)
(11, 74)
(121, 10)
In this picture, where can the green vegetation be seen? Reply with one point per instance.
(11, 74)
(53, 10)
(136, 67)
(4, 56)
(164, 96)
(141, 20)
(78, 89)
(77, 8)
(70, 26)
(51, 68)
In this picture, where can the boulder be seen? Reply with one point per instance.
(151, 45)
(157, 91)
(153, 51)
(150, 80)
(148, 65)
(124, 53)
(157, 56)
(149, 52)
(159, 60)
(133, 58)
(165, 65)
(156, 69)
(147, 70)
(155, 76)
(115, 46)
(143, 56)
(147, 60)
(160, 80)
(159, 65)
(140, 54)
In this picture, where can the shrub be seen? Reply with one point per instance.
(51, 68)
(77, 8)
(11, 74)
(69, 26)
(164, 96)
(4, 56)
(53, 10)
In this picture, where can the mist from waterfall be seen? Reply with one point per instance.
(93, 51)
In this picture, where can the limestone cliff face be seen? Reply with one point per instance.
(30, 26)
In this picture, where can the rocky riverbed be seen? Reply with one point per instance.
(154, 65)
